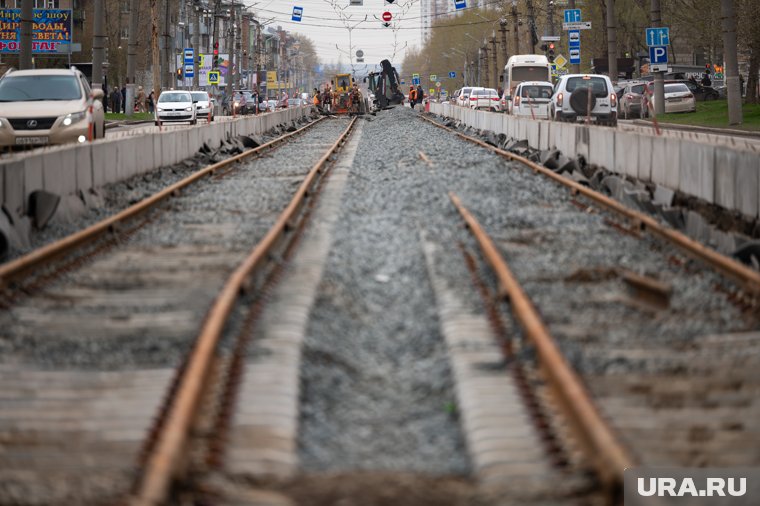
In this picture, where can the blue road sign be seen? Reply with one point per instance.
(189, 70)
(460, 4)
(658, 36)
(452, 75)
(189, 54)
(416, 81)
(572, 15)
(297, 13)
(575, 55)
(573, 39)
(658, 54)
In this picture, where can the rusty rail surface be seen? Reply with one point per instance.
(602, 448)
(163, 462)
(747, 278)
(17, 268)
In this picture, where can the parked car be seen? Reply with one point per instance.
(463, 98)
(204, 105)
(272, 105)
(700, 92)
(532, 99)
(48, 106)
(295, 102)
(240, 102)
(485, 98)
(175, 106)
(630, 102)
(580, 95)
(678, 98)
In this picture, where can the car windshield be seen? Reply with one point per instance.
(676, 88)
(39, 87)
(536, 91)
(200, 96)
(597, 84)
(536, 73)
(639, 88)
(174, 97)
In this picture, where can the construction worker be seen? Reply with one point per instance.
(412, 96)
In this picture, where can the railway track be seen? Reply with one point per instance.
(98, 327)
(630, 335)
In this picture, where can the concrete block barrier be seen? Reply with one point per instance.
(720, 174)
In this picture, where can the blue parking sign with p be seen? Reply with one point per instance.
(658, 54)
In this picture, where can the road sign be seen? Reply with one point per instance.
(553, 67)
(460, 4)
(658, 54)
(661, 67)
(560, 60)
(658, 36)
(550, 38)
(575, 55)
(438, 84)
(416, 81)
(189, 55)
(360, 54)
(359, 60)
(356, 2)
(65, 47)
(433, 78)
(432, 91)
(189, 70)
(572, 15)
(297, 13)
(452, 75)
(574, 38)
(403, 82)
(389, 1)
(213, 76)
(578, 25)
(387, 16)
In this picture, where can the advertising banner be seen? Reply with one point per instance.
(51, 28)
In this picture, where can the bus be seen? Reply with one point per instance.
(524, 67)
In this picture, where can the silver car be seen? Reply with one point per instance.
(49, 106)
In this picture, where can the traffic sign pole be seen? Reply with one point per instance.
(659, 77)
(575, 62)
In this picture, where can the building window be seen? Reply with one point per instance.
(124, 34)
(40, 4)
(125, 6)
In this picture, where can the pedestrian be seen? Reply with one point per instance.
(420, 94)
(326, 98)
(116, 100)
(255, 100)
(151, 102)
(412, 96)
(124, 99)
(706, 80)
(140, 99)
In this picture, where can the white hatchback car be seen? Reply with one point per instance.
(204, 108)
(532, 99)
(48, 106)
(175, 106)
(580, 95)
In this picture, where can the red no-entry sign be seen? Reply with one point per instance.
(387, 16)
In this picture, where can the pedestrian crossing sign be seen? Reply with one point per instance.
(213, 77)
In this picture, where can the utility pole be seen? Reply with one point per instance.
(576, 67)
(27, 17)
(728, 20)
(165, 55)
(98, 43)
(550, 10)
(134, 14)
(612, 41)
(480, 62)
(515, 33)
(659, 77)
(230, 52)
(196, 45)
(532, 26)
(485, 63)
(495, 60)
(154, 48)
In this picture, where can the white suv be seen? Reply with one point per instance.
(580, 95)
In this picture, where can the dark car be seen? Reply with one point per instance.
(700, 92)
(240, 102)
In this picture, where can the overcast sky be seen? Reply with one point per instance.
(322, 24)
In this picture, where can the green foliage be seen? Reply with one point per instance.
(715, 114)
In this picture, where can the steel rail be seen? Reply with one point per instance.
(18, 267)
(748, 279)
(162, 463)
(607, 455)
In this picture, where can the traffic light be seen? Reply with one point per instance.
(544, 47)
(707, 69)
(215, 59)
(179, 74)
(550, 56)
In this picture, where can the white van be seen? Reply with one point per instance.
(522, 68)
